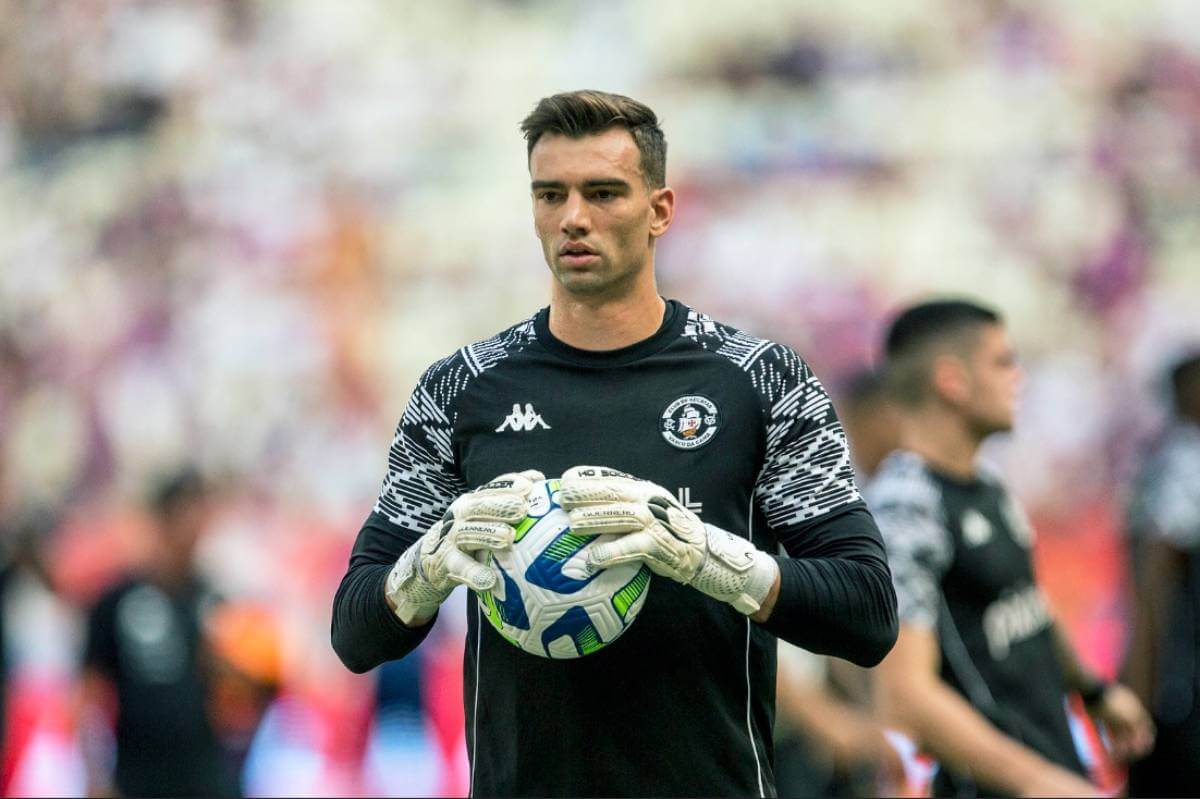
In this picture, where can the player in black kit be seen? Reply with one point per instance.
(980, 670)
(703, 421)
(1164, 657)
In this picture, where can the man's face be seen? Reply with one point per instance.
(994, 377)
(593, 212)
(182, 527)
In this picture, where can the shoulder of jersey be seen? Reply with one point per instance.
(903, 480)
(1178, 449)
(447, 377)
(773, 368)
(990, 475)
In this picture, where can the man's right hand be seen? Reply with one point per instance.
(456, 549)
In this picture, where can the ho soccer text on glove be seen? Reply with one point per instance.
(455, 550)
(657, 530)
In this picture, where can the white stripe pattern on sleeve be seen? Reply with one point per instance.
(423, 477)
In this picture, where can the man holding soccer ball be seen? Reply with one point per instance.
(700, 450)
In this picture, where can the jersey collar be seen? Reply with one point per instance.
(671, 328)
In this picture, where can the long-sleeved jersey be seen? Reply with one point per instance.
(683, 703)
(960, 552)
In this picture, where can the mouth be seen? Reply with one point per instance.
(577, 254)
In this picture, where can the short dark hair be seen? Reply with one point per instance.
(920, 332)
(587, 112)
(174, 489)
(864, 388)
(1185, 380)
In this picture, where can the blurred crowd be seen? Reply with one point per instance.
(232, 233)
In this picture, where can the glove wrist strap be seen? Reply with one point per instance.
(735, 571)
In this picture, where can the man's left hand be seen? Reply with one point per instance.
(1130, 730)
(660, 532)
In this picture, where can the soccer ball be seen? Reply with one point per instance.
(544, 602)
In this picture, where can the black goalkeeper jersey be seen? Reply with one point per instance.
(683, 702)
(960, 555)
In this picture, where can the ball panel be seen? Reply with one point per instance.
(624, 599)
(546, 571)
(507, 611)
(575, 625)
(544, 603)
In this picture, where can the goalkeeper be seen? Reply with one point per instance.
(714, 455)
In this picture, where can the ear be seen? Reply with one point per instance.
(662, 208)
(949, 379)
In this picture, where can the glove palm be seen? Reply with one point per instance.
(671, 540)
(456, 549)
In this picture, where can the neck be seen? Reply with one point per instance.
(943, 439)
(606, 323)
(171, 573)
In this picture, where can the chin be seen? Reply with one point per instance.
(986, 427)
(585, 285)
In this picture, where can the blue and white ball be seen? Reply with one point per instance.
(544, 602)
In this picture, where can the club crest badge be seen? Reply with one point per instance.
(689, 422)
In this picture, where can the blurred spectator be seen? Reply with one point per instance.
(829, 742)
(38, 650)
(143, 665)
(1164, 661)
(245, 670)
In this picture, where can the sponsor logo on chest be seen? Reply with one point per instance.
(689, 422)
(520, 421)
(1014, 618)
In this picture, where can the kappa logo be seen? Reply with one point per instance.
(976, 529)
(520, 421)
(689, 422)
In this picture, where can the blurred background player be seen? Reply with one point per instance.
(829, 742)
(1164, 661)
(871, 420)
(980, 672)
(242, 654)
(37, 654)
(144, 665)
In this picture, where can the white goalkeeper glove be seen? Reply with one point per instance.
(457, 549)
(660, 532)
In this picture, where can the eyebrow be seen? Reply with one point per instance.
(587, 184)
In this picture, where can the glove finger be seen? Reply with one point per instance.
(462, 568)
(595, 473)
(497, 507)
(518, 483)
(593, 485)
(470, 536)
(610, 518)
(580, 493)
(625, 549)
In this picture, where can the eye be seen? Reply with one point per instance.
(604, 194)
(547, 195)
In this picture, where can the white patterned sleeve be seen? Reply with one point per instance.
(918, 544)
(807, 471)
(1171, 493)
(422, 477)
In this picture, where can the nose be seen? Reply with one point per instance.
(575, 219)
